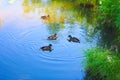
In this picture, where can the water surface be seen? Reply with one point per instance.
(23, 32)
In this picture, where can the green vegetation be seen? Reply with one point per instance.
(109, 20)
(110, 13)
(102, 65)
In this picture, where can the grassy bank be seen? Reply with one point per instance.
(109, 19)
(102, 65)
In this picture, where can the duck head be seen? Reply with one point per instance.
(50, 45)
(69, 36)
(55, 34)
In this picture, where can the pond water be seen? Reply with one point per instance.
(23, 32)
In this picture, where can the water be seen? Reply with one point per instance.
(22, 33)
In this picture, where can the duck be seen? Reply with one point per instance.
(45, 17)
(53, 37)
(73, 39)
(47, 48)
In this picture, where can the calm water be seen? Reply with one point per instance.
(22, 33)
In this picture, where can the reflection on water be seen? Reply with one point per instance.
(12, 1)
(24, 32)
(62, 13)
(1, 21)
(0, 1)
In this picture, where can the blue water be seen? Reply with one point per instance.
(21, 36)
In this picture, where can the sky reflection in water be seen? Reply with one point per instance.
(23, 32)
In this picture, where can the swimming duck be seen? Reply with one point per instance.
(73, 39)
(45, 17)
(53, 37)
(47, 48)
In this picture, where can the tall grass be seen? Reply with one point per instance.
(102, 65)
(110, 13)
(109, 20)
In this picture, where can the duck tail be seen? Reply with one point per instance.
(40, 48)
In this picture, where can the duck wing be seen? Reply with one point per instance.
(75, 39)
(44, 47)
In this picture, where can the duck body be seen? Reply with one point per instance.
(47, 48)
(53, 37)
(73, 39)
(45, 17)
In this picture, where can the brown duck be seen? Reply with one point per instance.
(45, 17)
(73, 39)
(47, 48)
(53, 37)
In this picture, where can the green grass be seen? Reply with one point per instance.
(102, 64)
(109, 11)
